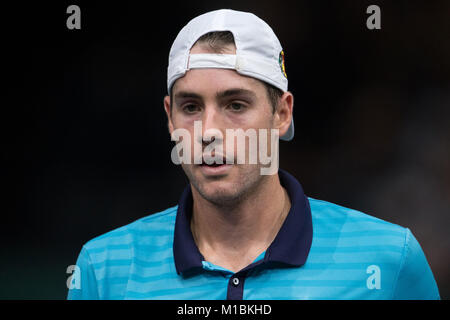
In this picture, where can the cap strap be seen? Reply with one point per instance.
(211, 60)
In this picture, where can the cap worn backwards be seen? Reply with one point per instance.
(258, 51)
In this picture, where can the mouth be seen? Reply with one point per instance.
(214, 165)
(215, 168)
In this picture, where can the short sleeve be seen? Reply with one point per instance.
(415, 279)
(84, 283)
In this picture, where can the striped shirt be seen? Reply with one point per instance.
(322, 251)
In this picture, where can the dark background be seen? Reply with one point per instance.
(85, 147)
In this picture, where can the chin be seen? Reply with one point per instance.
(219, 192)
(226, 190)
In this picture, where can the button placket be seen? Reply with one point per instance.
(236, 284)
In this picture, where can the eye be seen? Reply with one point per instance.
(236, 106)
(191, 108)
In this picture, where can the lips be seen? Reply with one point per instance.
(214, 168)
(215, 163)
(216, 160)
(212, 165)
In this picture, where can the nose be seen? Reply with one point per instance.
(211, 125)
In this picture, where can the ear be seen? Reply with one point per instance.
(168, 113)
(283, 114)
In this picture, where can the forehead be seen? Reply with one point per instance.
(206, 82)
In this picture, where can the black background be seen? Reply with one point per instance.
(85, 147)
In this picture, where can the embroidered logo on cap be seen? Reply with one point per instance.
(281, 62)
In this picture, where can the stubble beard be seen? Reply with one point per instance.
(245, 184)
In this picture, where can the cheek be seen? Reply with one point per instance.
(179, 120)
(256, 118)
(261, 120)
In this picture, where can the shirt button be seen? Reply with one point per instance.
(235, 282)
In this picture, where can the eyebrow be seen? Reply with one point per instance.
(185, 94)
(220, 95)
(235, 92)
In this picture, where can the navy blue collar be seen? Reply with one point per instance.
(291, 245)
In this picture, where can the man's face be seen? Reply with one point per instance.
(221, 99)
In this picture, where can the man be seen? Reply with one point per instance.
(238, 233)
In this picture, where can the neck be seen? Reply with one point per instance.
(234, 236)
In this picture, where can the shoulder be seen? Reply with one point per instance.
(106, 261)
(352, 233)
(328, 216)
(156, 225)
(358, 241)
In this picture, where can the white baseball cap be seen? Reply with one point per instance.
(258, 51)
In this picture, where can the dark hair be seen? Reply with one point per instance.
(216, 42)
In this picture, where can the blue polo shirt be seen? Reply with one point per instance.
(322, 251)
